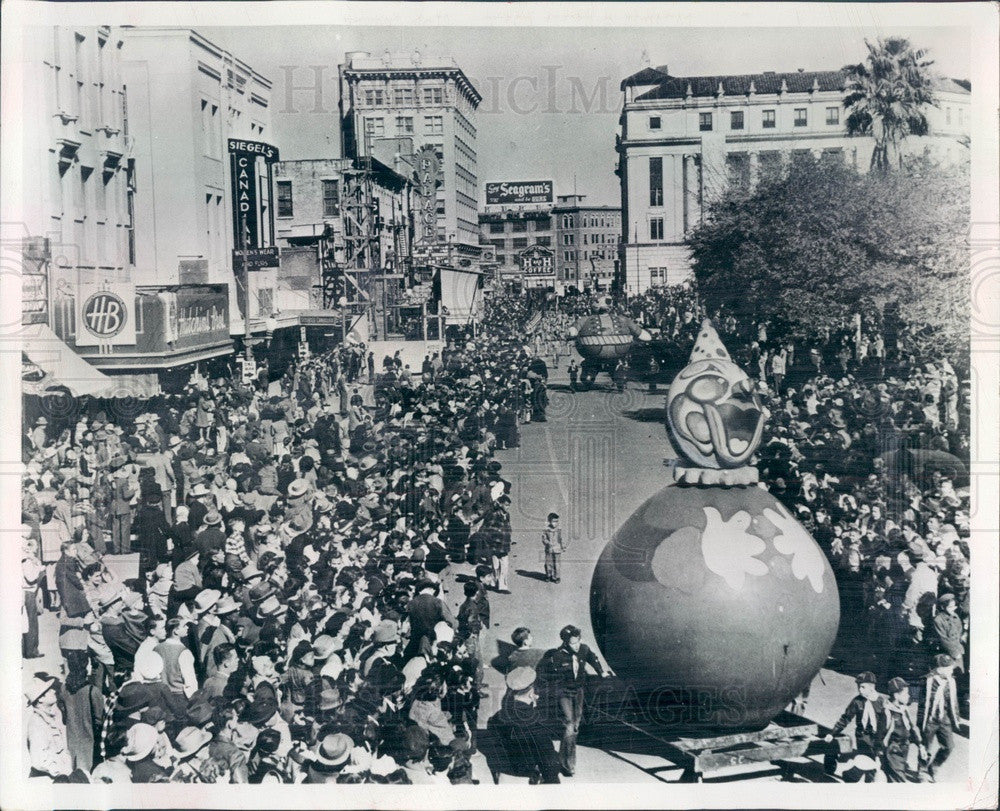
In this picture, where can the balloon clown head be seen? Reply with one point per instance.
(713, 411)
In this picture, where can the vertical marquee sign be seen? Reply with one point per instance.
(243, 160)
(427, 172)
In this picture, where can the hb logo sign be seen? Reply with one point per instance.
(104, 314)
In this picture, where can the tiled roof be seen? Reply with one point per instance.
(676, 87)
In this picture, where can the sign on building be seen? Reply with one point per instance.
(520, 192)
(105, 314)
(257, 258)
(536, 261)
(243, 156)
(428, 179)
(34, 298)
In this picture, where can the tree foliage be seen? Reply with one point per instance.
(817, 243)
(887, 95)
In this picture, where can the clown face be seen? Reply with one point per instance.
(714, 414)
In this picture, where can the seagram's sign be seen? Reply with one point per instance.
(518, 192)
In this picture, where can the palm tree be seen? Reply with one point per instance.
(886, 96)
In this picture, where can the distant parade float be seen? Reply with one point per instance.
(713, 603)
(602, 340)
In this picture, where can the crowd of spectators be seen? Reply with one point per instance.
(287, 622)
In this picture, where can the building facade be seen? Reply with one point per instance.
(683, 140)
(78, 171)
(587, 238)
(192, 98)
(432, 102)
(510, 232)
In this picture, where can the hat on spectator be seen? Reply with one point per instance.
(333, 667)
(149, 665)
(212, 518)
(190, 741)
(333, 750)
(867, 677)
(206, 599)
(330, 699)
(259, 711)
(520, 679)
(250, 572)
(140, 741)
(199, 490)
(299, 487)
(41, 683)
(943, 660)
(323, 646)
(896, 685)
(271, 607)
(386, 632)
(946, 598)
(227, 605)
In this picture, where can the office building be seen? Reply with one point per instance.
(587, 240)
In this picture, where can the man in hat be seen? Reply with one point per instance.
(48, 747)
(949, 629)
(211, 537)
(31, 575)
(141, 743)
(496, 524)
(939, 715)
(122, 494)
(426, 610)
(226, 659)
(191, 746)
(865, 711)
(151, 533)
(921, 594)
(219, 630)
(528, 741)
(187, 581)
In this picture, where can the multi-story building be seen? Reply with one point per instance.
(192, 97)
(511, 231)
(432, 102)
(683, 139)
(587, 240)
(327, 209)
(77, 173)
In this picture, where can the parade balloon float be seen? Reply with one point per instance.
(712, 602)
(602, 340)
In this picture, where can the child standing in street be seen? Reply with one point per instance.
(552, 541)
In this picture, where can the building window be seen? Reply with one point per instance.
(947, 115)
(767, 119)
(374, 97)
(543, 224)
(802, 156)
(568, 239)
(498, 243)
(501, 259)
(284, 198)
(656, 181)
(519, 226)
(832, 116)
(656, 228)
(654, 122)
(375, 127)
(567, 221)
(402, 96)
(738, 164)
(801, 117)
(832, 156)
(433, 124)
(404, 125)
(543, 241)
(496, 227)
(736, 120)
(331, 198)
(519, 242)
(140, 327)
(567, 256)
(433, 95)
(769, 162)
(705, 122)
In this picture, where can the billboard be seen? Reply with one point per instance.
(518, 192)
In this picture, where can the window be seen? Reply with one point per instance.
(497, 243)
(433, 95)
(568, 239)
(769, 163)
(519, 226)
(656, 181)
(656, 228)
(375, 127)
(402, 96)
(433, 124)
(832, 116)
(543, 224)
(139, 319)
(543, 241)
(767, 119)
(404, 125)
(520, 242)
(801, 156)
(284, 198)
(496, 227)
(736, 120)
(331, 198)
(567, 221)
(738, 164)
(801, 117)
(81, 96)
(501, 259)
(947, 115)
(374, 97)
(832, 156)
(705, 122)
(567, 256)
(654, 122)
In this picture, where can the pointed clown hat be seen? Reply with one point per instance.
(708, 346)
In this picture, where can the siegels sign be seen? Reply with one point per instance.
(243, 156)
(520, 192)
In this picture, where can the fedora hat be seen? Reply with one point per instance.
(897, 684)
(250, 572)
(261, 592)
(190, 741)
(227, 605)
(149, 665)
(212, 518)
(333, 667)
(299, 487)
(174, 441)
(323, 646)
(330, 699)
(386, 632)
(259, 711)
(206, 599)
(333, 750)
(140, 741)
(199, 490)
(41, 683)
(271, 607)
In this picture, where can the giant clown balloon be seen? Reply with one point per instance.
(712, 601)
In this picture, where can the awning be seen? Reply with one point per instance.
(48, 365)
